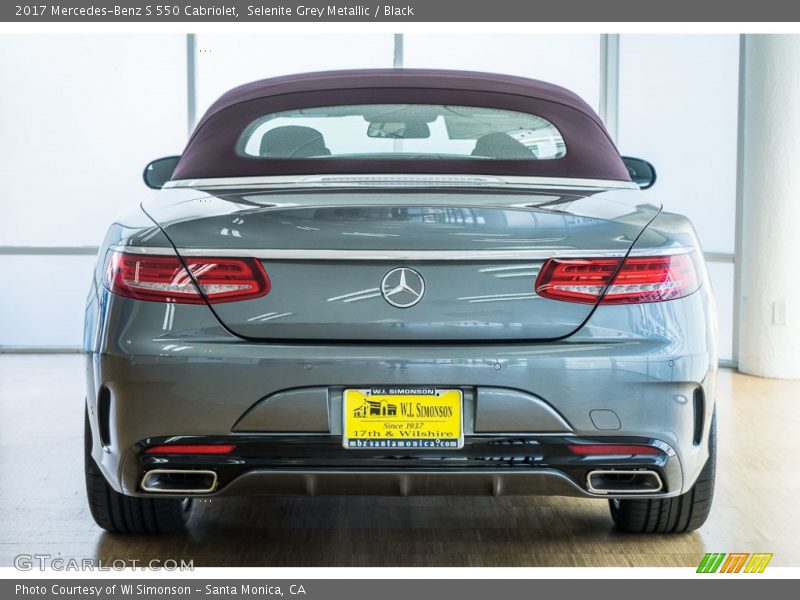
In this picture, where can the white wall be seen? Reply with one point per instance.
(91, 110)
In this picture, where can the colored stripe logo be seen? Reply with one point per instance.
(734, 562)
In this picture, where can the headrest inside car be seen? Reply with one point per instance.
(501, 145)
(292, 141)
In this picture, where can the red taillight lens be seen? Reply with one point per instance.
(612, 449)
(575, 280)
(165, 279)
(640, 279)
(191, 449)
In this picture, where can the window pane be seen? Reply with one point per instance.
(402, 131)
(678, 109)
(87, 113)
(572, 61)
(225, 60)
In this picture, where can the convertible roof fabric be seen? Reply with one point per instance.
(211, 148)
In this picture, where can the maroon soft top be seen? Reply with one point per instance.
(211, 148)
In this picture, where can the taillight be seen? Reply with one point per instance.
(640, 279)
(165, 279)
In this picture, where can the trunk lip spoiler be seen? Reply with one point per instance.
(408, 181)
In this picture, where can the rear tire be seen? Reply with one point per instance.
(119, 513)
(680, 514)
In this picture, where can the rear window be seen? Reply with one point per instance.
(398, 131)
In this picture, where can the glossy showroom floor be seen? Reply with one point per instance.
(43, 509)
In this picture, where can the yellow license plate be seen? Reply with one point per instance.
(402, 417)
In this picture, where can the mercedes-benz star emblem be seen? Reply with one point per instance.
(402, 287)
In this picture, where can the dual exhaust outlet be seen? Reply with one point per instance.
(180, 481)
(621, 481)
(599, 481)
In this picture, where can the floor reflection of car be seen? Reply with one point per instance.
(474, 238)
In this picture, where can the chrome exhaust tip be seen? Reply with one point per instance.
(623, 481)
(179, 481)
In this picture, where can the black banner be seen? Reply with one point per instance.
(400, 11)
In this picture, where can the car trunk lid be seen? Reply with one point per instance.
(401, 266)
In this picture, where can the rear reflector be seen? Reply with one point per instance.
(640, 279)
(191, 449)
(611, 449)
(165, 279)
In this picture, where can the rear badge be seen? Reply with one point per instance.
(402, 287)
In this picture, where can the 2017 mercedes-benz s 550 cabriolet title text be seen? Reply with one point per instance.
(405, 282)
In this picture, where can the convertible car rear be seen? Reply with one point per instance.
(400, 282)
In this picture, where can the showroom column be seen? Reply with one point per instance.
(769, 245)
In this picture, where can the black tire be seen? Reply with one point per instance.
(680, 514)
(118, 513)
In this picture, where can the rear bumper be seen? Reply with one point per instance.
(630, 373)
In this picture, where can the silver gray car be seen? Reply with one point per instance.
(403, 282)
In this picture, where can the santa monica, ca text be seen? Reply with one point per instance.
(246, 589)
